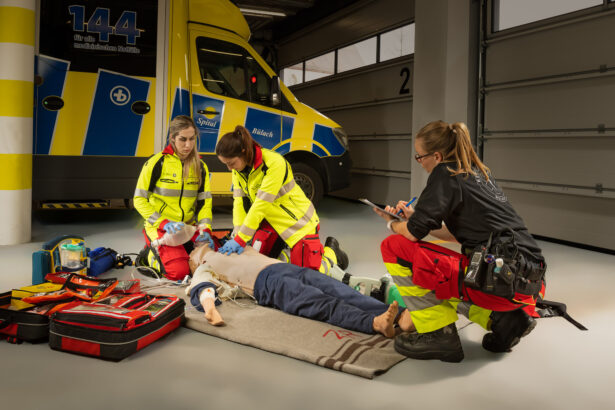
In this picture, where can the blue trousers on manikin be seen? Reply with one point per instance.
(308, 293)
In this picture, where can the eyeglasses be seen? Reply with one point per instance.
(419, 158)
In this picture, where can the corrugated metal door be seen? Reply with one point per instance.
(548, 121)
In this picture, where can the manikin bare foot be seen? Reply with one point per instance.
(211, 313)
(405, 322)
(384, 323)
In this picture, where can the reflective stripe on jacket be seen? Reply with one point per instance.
(162, 194)
(270, 193)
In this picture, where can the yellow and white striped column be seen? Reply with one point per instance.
(17, 32)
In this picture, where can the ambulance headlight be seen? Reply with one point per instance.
(342, 137)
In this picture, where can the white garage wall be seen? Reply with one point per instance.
(372, 100)
(351, 24)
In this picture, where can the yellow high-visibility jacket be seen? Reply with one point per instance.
(269, 192)
(163, 194)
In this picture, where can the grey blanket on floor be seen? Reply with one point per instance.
(300, 338)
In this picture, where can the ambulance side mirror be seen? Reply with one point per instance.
(275, 94)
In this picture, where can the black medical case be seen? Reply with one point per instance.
(30, 325)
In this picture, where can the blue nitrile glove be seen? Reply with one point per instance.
(206, 237)
(173, 227)
(231, 247)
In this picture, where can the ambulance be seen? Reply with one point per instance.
(110, 74)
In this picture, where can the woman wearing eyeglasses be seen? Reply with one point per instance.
(463, 203)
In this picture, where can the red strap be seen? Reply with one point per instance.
(240, 241)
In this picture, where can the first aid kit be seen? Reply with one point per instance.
(25, 312)
(18, 324)
(117, 326)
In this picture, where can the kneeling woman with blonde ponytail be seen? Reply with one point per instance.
(461, 203)
(173, 191)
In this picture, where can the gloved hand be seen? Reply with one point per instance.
(231, 247)
(173, 227)
(206, 237)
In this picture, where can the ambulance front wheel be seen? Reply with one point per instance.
(309, 180)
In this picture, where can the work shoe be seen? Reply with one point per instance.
(141, 259)
(443, 344)
(143, 266)
(342, 257)
(507, 328)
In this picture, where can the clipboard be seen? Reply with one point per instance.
(372, 205)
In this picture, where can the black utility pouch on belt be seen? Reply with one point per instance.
(475, 274)
(500, 269)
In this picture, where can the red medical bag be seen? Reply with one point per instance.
(16, 325)
(117, 326)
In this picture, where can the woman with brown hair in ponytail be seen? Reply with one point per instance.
(270, 209)
(173, 191)
(495, 280)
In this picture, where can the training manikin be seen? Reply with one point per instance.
(290, 288)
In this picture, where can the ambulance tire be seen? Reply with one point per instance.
(309, 180)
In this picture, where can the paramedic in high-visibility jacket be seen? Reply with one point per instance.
(270, 209)
(173, 190)
(496, 279)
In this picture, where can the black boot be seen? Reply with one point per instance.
(342, 257)
(141, 259)
(443, 344)
(507, 328)
(142, 264)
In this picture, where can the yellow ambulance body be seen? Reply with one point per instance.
(111, 74)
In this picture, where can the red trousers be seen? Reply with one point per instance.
(441, 270)
(306, 253)
(174, 259)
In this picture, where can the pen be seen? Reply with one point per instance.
(410, 202)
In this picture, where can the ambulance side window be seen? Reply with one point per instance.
(222, 67)
(229, 70)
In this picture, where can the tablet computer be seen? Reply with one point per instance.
(372, 205)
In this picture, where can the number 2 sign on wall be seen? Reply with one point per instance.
(405, 86)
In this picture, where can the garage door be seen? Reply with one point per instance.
(548, 114)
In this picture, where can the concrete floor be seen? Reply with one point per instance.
(555, 367)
